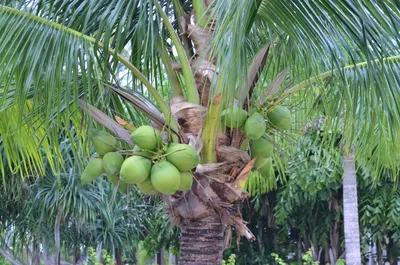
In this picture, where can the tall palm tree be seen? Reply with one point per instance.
(130, 57)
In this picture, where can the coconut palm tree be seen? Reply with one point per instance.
(182, 63)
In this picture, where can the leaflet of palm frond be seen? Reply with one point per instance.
(143, 105)
(106, 121)
(255, 68)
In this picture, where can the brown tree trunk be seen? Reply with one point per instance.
(118, 257)
(76, 255)
(299, 249)
(335, 243)
(202, 241)
(379, 253)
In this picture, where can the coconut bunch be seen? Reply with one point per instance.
(151, 164)
(261, 149)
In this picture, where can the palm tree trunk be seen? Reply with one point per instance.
(118, 257)
(390, 251)
(379, 253)
(299, 248)
(334, 238)
(160, 257)
(350, 212)
(35, 253)
(57, 238)
(202, 242)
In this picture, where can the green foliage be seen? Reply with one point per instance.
(160, 234)
(306, 258)
(106, 259)
(3, 261)
(230, 261)
(340, 262)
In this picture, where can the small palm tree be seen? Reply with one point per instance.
(130, 57)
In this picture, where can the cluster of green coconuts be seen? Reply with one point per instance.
(255, 126)
(151, 164)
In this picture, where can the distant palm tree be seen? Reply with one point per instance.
(129, 57)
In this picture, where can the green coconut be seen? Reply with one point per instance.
(261, 147)
(146, 187)
(267, 169)
(138, 151)
(165, 177)
(135, 169)
(93, 170)
(123, 187)
(186, 181)
(233, 117)
(280, 117)
(102, 141)
(260, 161)
(183, 157)
(112, 163)
(255, 126)
(146, 137)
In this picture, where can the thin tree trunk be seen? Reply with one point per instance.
(76, 255)
(390, 251)
(326, 255)
(260, 237)
(202, 242)
(299, 249)
(57, 238)
(118, 257)
(335, 243)
(350, 212)
(379, 253)
(9, 258)
(160, 257)
(35, 254)
(46, 253)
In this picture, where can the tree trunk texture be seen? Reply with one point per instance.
(326, 255)
(118, 257)
(390, 251)
(260, 236)
(35, 256)
(202, 242)
(299, 249)
(379, 253)
(160, 257)
(350, 212)
(57, 236)
(334, 238)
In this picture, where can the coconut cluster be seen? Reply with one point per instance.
(255, 126)
(151, 164)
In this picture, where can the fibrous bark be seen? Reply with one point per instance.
(350, 212)
(202, 241)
